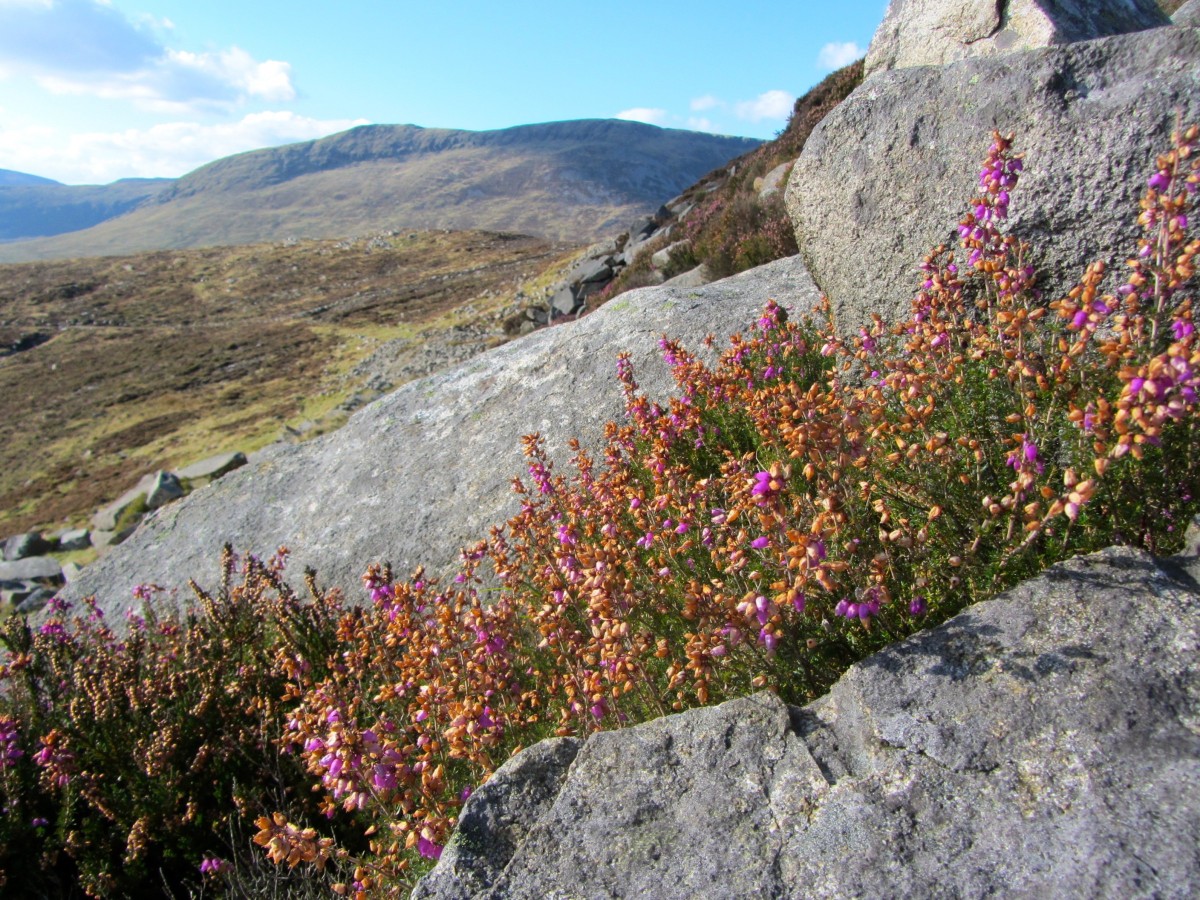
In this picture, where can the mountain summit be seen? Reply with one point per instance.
(571, 181)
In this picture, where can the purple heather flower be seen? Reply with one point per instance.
(917, 606)
(213, 866)
(1182, 328)
(428, 848)
(760, 542)
(9, 751)
(384, 778)
(1160, 181)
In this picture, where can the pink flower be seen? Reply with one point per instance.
(428, 848)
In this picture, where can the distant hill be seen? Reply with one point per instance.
(9, 178)
(572, 181)
(36, 207)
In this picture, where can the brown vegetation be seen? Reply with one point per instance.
(113, 367)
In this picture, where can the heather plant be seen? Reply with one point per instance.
(805, 501)
(133, 755)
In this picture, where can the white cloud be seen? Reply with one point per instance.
(770, 105)
(835, 55)
(88, 48)
(166, 150)
(708, 101)
(643, 114)
(699, 123)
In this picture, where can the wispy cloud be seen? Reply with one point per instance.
(835, 55)
(700, 123)
(87, 47)
(708, 101)
(769, 105)
(643, 114)
(166, 150)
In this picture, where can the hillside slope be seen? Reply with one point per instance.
(114, 367)
(562, 180)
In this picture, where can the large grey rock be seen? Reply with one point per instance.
(426, 470)
(492, 827)
(936, 32)
(887, 175)
(1188, 14)
(1043, 744)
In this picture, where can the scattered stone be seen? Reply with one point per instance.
(595, 269)
(21, 546)
(887, 175)
(774, 181)
(563, 302)
(936, 32)
(212, 468)
(31, 568)
(164, 488)
(74, 539)
(71, 572)
(691, 278)
(107, 517)
(662, 258)
(1042, 744)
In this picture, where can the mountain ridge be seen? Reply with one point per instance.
(573, 180)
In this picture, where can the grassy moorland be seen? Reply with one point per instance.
(156, 360)
(799, 505)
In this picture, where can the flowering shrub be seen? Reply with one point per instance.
(128, 760)
(803, 502)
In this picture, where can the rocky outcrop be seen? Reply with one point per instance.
(1188, 14)
(936, 32)
(425, 470)
(1043, 744)
(887, 175)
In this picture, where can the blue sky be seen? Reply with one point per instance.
(95, 90)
